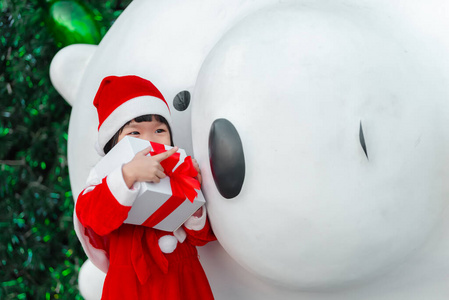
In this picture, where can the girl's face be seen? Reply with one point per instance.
(153, 131)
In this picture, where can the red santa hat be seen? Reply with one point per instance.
(120, 99)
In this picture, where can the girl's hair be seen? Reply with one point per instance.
(145, 118)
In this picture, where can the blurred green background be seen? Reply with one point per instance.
(40, 254)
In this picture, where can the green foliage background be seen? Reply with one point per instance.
(40, 255)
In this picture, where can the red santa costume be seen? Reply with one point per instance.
(140, 262)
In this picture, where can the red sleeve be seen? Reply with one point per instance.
(200, 237)
(99, 210)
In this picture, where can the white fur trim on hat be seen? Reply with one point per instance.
(128, 111)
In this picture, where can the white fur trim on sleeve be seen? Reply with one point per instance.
(196, 223)
(88, 189)
(93, 178)
(120, 190)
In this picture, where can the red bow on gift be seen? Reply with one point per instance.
(183, 184)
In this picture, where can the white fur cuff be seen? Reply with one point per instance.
(119, 189)
(196, 223)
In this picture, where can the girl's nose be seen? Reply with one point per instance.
(146, 136)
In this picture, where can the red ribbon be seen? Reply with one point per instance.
(183, 184)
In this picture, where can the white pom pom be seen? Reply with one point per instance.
(168, 243)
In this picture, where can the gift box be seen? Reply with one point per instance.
(165, 205)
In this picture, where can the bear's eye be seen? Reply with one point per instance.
(181, 101)
(226, 158)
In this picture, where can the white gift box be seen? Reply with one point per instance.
(151, 195)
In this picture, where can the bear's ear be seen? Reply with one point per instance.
(67, 68)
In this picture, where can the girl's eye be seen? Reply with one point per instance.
(134, 133)
(160, 130)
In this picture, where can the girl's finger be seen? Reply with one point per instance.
(161, 156)
(145, 151)
(200, 178)
(160, 174)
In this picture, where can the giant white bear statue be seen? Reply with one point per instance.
(331, 118)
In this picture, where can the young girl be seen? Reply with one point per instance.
(140, 262)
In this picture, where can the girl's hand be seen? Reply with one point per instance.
(143, 168)
(197, 167)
